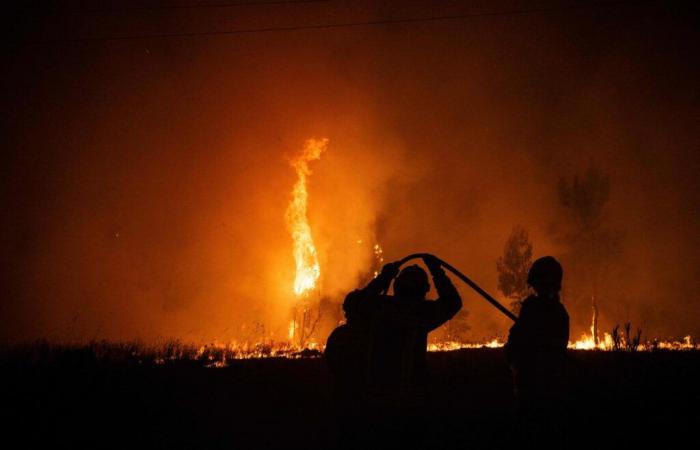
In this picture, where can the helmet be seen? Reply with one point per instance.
(545, 273)
(412, 282)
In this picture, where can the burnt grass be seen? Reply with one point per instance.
(76, 399)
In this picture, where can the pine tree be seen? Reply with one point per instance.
(513, 267)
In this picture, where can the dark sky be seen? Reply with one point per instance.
(144, 181)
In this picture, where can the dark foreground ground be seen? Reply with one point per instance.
(616, 399)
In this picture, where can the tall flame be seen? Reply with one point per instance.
(305, 257)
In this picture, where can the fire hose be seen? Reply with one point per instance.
(464, 278)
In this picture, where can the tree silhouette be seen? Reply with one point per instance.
(513, 267)
(591, 243)
(585, 198)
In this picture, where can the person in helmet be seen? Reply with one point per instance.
(399, 324)
(536, 353)
(378, 358)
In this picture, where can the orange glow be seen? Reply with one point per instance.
(456, 345)
(218, 354)
(307, 268)
(286, 350)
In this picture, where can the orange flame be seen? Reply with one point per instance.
(307, 268)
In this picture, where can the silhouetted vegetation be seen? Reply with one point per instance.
(590, 241)
(513, 267)
(630, 342)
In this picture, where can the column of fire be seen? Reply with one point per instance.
(308, 270)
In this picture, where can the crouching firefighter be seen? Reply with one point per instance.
(378, 358)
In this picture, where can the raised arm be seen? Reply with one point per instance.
(365, 302)
(448, 303)
(381, 283)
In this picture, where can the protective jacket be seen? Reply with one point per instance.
(398, 329)
(536, 347)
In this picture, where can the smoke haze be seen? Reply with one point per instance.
(145, 181)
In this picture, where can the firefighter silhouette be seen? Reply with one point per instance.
(536, 353)
(378, 358)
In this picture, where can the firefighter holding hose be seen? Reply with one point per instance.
(378, 358)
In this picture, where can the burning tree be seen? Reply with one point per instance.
(513, 267)
(306, 312)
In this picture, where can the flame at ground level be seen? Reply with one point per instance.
(219, 354)
(216, 354)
